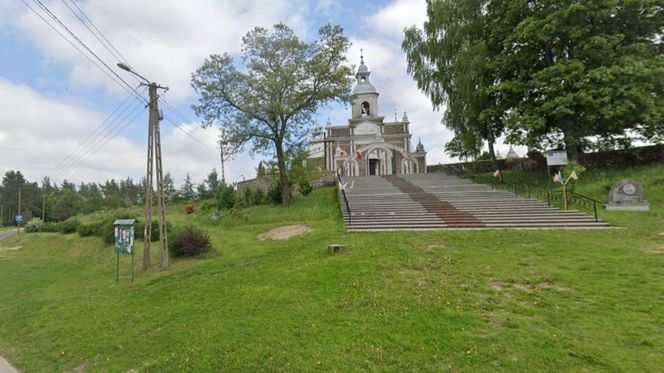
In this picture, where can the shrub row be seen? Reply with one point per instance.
(188, 241)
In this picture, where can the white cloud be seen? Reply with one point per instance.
(38, 137)
(392, 19)
(163, 40)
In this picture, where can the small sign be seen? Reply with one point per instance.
(124, 243)
(19, 218)
(556, 158)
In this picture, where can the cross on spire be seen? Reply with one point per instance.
(361, 55)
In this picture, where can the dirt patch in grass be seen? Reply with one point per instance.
(526, 288)
(654, 250)
(285, 232)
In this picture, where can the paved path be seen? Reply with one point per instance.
(4, 365)
(7, 234)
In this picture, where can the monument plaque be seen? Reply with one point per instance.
(627, 195)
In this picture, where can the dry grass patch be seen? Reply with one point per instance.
(284, 233)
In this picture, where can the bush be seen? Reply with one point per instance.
(50, 227)
(305, 188)
(259, 197)
(189, 241)
(239, 213)
(209, 204)
(69, 226)
(225, 196)
(274, 193)
(34, 225)
(85, 230)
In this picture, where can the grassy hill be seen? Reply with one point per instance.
(510, 300)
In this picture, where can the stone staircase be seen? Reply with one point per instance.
(439, 201)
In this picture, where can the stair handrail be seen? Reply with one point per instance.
(340, 184)
(581, 201)
(578, 200)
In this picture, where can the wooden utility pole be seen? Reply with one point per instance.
(43, 208)
(2, 213)
(147, 232)
(154, 151)
(163, 233)
(154, 147)
(18, 223)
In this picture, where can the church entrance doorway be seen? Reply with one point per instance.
(373, 166)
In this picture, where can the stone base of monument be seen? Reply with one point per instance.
(621, 207)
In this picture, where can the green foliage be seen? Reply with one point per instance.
(226, 196)
(33, 226)
(295, 80)
(239, 213)
(69, 226)
(548, 73)
(189, 241)
(50, 227)
(259, 197)
(274, 193)
(451, 59)
(85, 230)
(208, 204)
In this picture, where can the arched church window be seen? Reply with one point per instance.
(365, 109)
(363, 79)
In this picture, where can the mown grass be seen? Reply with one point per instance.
(510, 300)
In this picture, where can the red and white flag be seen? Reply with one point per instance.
(358, 154)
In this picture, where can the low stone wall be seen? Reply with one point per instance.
(327, 179)
(256, 183)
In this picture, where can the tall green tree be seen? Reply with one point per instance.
(450, 59)
(187, 192)
(572, 69)
(272, 104)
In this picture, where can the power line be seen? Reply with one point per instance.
(71, 43)
(183, 118)
(102, 141)
(107, 139)
(103, 127)
(73, 35)
(172, 123)
(117, 53)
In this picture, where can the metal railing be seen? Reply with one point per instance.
(340, 183)
(550, 196)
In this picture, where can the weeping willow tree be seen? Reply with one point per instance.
(449, 58)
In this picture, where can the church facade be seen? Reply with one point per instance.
(368, 145)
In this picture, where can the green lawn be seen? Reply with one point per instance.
(511, 300)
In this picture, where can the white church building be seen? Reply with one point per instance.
(368, 145)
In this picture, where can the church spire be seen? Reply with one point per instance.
(362, 75)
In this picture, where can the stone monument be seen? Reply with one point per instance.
(627, 195)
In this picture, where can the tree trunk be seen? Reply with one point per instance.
(283, 177)
(572, 143)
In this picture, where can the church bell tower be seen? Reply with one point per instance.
(364, 96)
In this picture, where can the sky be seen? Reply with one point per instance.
(54, 102)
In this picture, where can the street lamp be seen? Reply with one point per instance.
(154, 152)
(128, 68)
